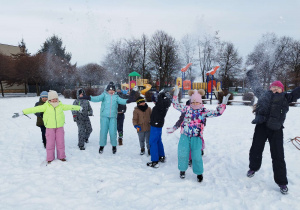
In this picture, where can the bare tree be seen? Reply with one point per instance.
(164, 57)
(6, 70)
(91, 74)
(188, 50)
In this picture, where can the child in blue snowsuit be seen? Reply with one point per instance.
(157, 120)
(108, 115)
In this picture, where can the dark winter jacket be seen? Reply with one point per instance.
(86, 107)
(160, 110)
(122, 108)
(39, 119)
(142, 118)
(271, 107)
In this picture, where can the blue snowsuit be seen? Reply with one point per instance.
(108, 116)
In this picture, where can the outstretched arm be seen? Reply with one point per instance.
(214, 113)
(294, 95)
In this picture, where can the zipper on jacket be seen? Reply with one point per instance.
(110, 106)
(55, 116)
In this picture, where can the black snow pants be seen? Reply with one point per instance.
(120, 123)
(275, 137)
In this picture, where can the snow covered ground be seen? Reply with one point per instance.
(123, 181)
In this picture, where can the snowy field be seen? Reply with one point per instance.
(123, 181)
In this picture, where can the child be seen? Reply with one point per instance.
(108, 115)
(82, 119)
(141, 122)
(39, 119)
(121, 115)
(192, 131)
(157, 120)
(271, 110)
(54, 120)
(178, 124)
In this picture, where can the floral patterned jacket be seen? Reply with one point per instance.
(193, 123)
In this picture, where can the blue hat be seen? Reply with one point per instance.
(44, 94)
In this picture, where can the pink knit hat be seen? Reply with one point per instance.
(278, 84)
(196, 97)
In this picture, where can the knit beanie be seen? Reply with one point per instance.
(52, 94)
(140, 100)
(278, 84)
(44, 94)
(111, 86)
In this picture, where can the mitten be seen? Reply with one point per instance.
(17, 114)
(171, 130)
(138, 128)
(85, 97)
(225, 99)
(176, 91)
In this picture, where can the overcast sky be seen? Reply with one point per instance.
(87, 27)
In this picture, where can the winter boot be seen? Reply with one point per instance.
(199, 178)
(82, 148)
(162, 159)
(283, 189)
(63, 160)
(250, 173)
(202, 152)
(114, 149)
(101, 149)
(153, 164)
(190, 163)
(49, 162)
(142, 151)
(120, 141)
(182, 174)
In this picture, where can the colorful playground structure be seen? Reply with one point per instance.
(210, 86)
(134, 79)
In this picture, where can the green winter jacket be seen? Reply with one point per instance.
(52, 117)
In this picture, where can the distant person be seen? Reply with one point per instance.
(82, 119)
(270, 113)
(54, 120)
(39, 120)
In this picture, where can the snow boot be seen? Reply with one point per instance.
(63, 160)
(202, 152)
(250, 173)
(182, 174)
(283, 189)
(190, 163)
(142, 151)
(153, 164)
(162, 159)
(120, 141)
(82, 148)
(101, 149)
(114, 149)
(49, 162)
(199, 178)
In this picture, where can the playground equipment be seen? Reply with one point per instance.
(209, 86)
(134, 79)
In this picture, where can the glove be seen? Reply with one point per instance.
(85, 97)
(75, 118)
(225, 99)
(17, 114)
(138, 128)
(176, 91)
(80, 110)
(171, 130)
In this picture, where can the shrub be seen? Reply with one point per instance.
(67, 93)
(249, 97)
(73, 94)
